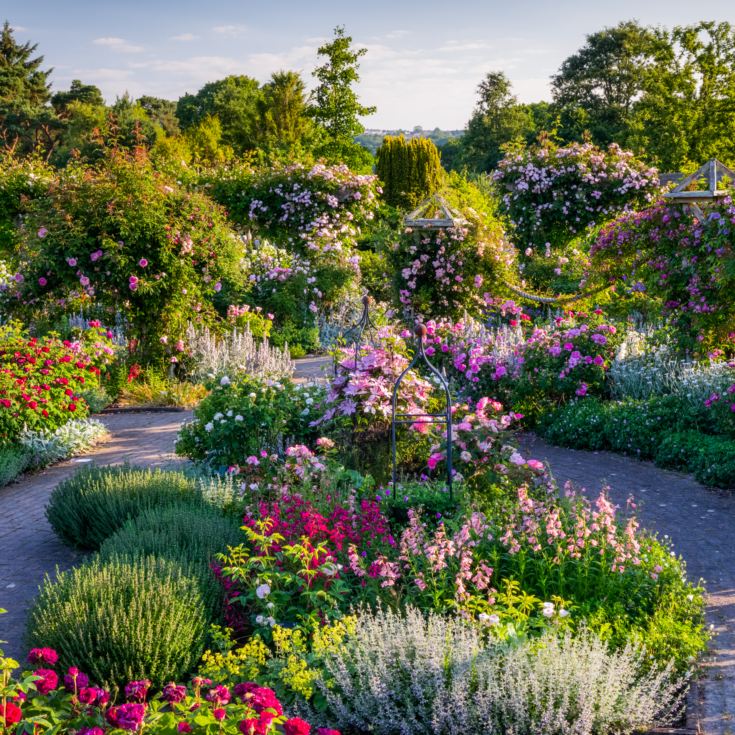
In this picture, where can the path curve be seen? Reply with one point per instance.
(701, 524)
(29, 549)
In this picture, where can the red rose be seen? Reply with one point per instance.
(32, 404)
(296, 726)
(10, 714)
(72, 406)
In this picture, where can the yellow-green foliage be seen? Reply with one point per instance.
(409, 170)
(291, 666)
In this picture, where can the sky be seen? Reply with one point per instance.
(423, 64)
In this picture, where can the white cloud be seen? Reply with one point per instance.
(18, 29)
(232, 30)
(184, 37)
(118, 44)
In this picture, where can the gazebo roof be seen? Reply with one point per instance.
(433, 206)
(712, 172)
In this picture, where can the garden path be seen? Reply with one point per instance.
(28, 547)
(701, 524)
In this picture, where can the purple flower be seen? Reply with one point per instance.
(137, 689)
(142, 262)
(127, 716)
(74, 680)
(42, 232)
(93, 695)
(173, 693)
(48, 681)
(42, 281)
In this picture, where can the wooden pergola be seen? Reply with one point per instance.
(712, 173)
(433, 214)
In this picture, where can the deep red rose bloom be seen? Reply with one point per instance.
(183, 727)
(10, 714)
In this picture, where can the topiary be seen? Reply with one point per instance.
(122, 620)
(410, 171)
(90, 506)
(187, 534)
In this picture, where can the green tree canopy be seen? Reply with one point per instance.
(498, 119)
(25, 119)
(335, 105)
(284, 114)
(234, 100)
(89, 94)
(161, 112)
(597, 87)
(686, 114)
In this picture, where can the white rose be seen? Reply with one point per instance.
(263, 591)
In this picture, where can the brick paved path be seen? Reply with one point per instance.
(28, 547)
(701, 524)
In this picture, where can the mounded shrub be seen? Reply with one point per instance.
(122, 620)
(13, 461)
(187, 534)
(97, 501)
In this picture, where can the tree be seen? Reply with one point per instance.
(235, 101)
(25, 119)
(161, 112)
(89, 94)
(335, 106)
(498, 119)
(284, 120)
(410, 171)
(686, 114)
(597, 87)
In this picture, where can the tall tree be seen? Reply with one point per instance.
(596, 88)
(687, 112)
(25, 118)
(335, 105)
(234, 100)
(89, 94)
(161, 112)
(284, 120)
(498, 119)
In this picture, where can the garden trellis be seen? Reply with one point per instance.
(433, 206)
(364, 323)
(426, 418)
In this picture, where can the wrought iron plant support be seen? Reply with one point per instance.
(429, 418)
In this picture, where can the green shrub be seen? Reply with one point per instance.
(90, 506)
(579, 424)
(677, 450)
(186, 534)
(410, 170)
(122, 620)
(13, 461)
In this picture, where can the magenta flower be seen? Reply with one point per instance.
(137, 689)
(74, 680)
(42, 281)
(84, 281)
(72, 262)
(219, 695)
(142, 262)
(42, 232)
(173, 693)
(95, 256)
(39, 656)
(48, 682)
(93, 696)
(127, 716)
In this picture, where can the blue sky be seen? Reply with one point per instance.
(423, 64)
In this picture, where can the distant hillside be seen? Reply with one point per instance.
(372, 138)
